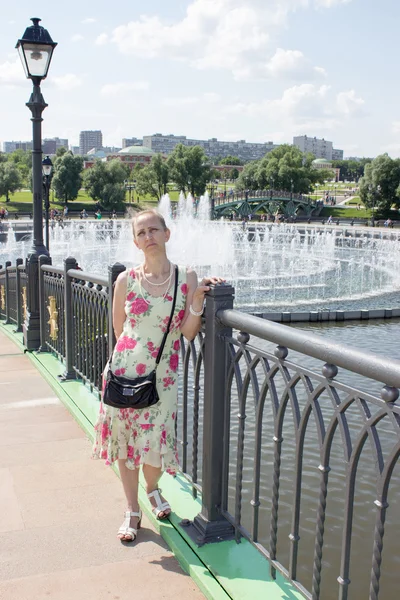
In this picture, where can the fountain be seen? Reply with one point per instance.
(273, 267)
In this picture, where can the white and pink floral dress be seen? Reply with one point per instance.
(145, 436)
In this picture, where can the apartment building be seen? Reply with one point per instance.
(213, 147)
(89, 140)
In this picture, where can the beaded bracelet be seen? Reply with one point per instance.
(196, 313)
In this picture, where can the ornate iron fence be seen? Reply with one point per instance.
(79, 305)
(272, 444)
(2, 292)
(11, 293)
(52, 308)
(299, 448)
(90, 332)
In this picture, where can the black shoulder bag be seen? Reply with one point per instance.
(141, 392)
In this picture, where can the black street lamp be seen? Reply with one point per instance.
(47, 168)
(35, 49)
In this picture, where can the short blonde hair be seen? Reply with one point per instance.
(148, 211)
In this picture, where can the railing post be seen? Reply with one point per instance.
(69, 373)
(7, 285)
(43, 260)
(209, 525)
(113, 272)
(19, 262)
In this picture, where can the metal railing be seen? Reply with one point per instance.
(12, 293)
(278, 432)
(76, 316)
(268, 442)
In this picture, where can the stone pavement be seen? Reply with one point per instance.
(60, 511)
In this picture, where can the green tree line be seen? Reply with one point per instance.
(189, 170)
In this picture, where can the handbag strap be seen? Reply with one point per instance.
(160, 351)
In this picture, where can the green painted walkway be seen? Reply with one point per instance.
(221, 571)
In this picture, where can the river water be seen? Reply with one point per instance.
(380, 337)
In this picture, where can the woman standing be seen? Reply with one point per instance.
(141, 311)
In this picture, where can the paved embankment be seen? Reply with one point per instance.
(59, 510)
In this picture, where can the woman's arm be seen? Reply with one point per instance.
(195, 298)
(119, 315)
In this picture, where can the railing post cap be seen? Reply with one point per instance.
(116, 267)
(221, 289)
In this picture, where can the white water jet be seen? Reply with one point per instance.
(269, 265)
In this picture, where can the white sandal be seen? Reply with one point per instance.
(160, 506)
(125, 528)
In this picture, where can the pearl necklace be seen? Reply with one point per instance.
(158, 284)
(161, 298)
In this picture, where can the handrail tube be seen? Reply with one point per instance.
(51, 269)
(364, 363)
(85, 276)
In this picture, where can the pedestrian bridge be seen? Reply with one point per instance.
(272, 202)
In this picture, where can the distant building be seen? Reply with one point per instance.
(9, 147)
(51, 145)
(130, 156)
(89, 140)
(111, 149)
(321, 148)
(323, 163)
(213, 148)
(337, 154)
(74, 150)
(127, 142)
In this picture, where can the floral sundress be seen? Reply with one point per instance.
(145, 436)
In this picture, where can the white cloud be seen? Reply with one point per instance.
(215, 34)
(88, 21)
(396, 127)
(303, 108)
(330, 3)
(349, 104)
(206, 98)
(67, 81)
(77, 37)
(114, 89)
(292, 64)
(12, 73)
(101, 39)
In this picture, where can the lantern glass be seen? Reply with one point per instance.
(35, 58)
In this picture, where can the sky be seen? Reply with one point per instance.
(259, 70)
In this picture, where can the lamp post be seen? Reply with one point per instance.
(47, 168)
(35, 49)
(291, 189)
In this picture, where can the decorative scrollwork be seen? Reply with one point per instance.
(24, 302)
(2, 298)
(53, 321)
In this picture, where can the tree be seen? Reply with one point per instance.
(23, 161)
(153, 178)
(10, 179)
(379, 188)
(189, 169)
(247, 179)
(234, 174)
(230, 160)
(61, 151)
(67, 177)
(104, 182)
(284, 168)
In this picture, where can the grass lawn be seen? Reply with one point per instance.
(345, 213)
(22, 202)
